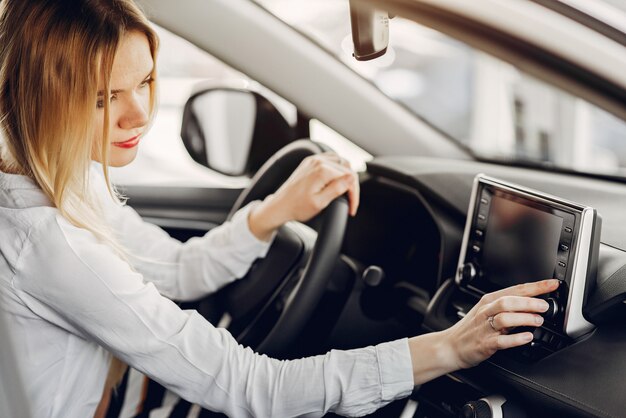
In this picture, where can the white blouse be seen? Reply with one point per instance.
(69, 301)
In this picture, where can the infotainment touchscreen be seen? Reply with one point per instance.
(521, 242)
(516, 235)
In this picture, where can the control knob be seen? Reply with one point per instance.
(467, 273)
(492, 406)
(476, 409)
(553, 308)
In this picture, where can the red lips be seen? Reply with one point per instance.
(130, 143)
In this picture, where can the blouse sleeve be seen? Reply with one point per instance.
(196, 268)
(81, 285)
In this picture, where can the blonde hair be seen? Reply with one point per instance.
(54, 57)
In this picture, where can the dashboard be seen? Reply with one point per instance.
(410, 226)
(412, 222)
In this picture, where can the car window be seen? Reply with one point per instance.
(489, 106)
(163, 159)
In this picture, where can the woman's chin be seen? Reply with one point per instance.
(122, 157)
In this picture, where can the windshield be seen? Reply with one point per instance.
(493, 108)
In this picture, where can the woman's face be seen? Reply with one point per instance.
(129, 102)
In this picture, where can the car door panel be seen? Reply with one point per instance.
(182, 211)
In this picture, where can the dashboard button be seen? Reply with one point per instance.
(564, 247)
(568, 229)
(546, 337)
(562, 264)
(479, 233)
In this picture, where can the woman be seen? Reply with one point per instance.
(77, 83)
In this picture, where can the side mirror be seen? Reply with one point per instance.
(233, 131)
(370, 31)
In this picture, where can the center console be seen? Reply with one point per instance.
(516, 235)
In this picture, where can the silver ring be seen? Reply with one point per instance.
(490, 320)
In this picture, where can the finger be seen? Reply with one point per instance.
(324, 172)
(354, 195)
(333, 190)
(526, 289)
(336, 188)
(326, 159)
(505, 341)
(515, 304)
(505, 320)
(337, 159)
(354, 190)
(328, 168)
(344, 163)
(331, 158)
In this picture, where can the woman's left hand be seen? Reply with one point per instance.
(316, 182)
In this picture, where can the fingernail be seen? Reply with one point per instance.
(528, 337)
(544, 305)
(555, 282)
(538, 320)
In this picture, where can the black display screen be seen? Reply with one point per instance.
(521, 243)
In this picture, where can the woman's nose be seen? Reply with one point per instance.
(135, 114)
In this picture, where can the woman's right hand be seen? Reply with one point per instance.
(482, 332)
(316, 182)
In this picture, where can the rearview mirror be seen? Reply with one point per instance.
(370, 31)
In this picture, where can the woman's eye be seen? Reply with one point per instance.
(146, 82)
(100, 102)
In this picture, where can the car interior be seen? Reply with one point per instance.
(398, 276)
(438, 225)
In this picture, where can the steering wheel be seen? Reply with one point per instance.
(272, 303)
